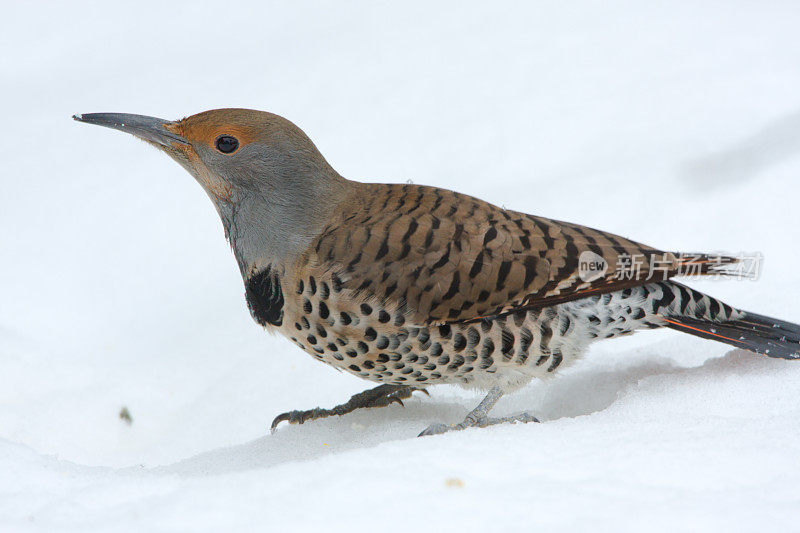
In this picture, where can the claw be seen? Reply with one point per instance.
(278, 419)
(473, 421)
(434, 429)
(381, 396)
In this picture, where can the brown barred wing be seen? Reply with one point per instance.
(445, 257)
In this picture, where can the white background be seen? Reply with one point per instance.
(675, 124)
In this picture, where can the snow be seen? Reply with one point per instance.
(677, 125)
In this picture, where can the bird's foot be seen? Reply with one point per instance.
(380, 396)
(477, 422)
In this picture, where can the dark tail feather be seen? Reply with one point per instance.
(757, 333)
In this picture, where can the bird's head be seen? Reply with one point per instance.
(269, 183)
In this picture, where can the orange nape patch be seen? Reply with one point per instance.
(244, 124)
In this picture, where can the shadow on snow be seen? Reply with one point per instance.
(581, 391)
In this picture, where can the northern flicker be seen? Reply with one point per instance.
(412, 286)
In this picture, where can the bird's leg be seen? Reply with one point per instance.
(479, 417)
(380, 396)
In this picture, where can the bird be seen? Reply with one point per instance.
(411, 286)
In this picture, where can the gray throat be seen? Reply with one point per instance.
(274, 229)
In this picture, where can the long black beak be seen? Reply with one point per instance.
(150, 129)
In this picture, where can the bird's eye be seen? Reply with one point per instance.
(227, 144)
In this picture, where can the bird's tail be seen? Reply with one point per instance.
(693, 312)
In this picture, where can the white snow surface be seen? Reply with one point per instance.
(675, 124)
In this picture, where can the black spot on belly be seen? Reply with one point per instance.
(473, 337)
(564, 326)
(459, 342)
(525, 339)
(265, 297)
(424, 337)
(488, 348)
(457, 362)
(547, 334)
(557, 358)
(507, 342)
